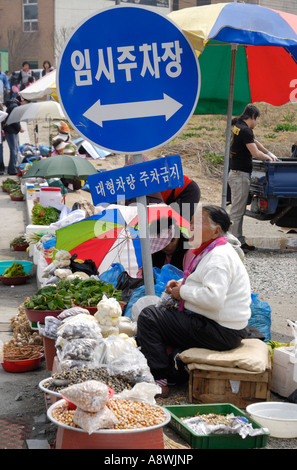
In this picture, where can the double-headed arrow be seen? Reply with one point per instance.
(99, 113)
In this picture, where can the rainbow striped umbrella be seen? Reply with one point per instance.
(112, 236)
(247, 54)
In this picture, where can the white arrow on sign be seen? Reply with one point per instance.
(112, 112)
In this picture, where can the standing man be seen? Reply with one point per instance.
(4, 86)
(3, 116)
(243, 149)
(11, 134)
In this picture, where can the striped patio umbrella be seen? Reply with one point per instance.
(247, 54)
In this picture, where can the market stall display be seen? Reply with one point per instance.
(5, 264)
(14, 275)
(21, 358)
(212, 428)
(148, 431)
(19, 243)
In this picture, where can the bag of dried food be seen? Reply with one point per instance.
(71, 312)
(90, 396)
(80, 326)
(90, 422)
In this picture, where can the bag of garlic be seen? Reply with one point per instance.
(108, 315)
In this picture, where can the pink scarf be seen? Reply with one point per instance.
(199, 254)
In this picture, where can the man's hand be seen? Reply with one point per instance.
(271, 155)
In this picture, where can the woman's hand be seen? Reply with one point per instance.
(173, 288)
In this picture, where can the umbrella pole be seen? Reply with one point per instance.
(228, 130)
(147, 264)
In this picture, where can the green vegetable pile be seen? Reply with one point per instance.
(44, 215)
(80, 292)
(49, 298)
(21, 240)
(10, 185)
(15, 270)
(16, 193)
(88, 292)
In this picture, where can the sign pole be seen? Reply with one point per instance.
(147, 264)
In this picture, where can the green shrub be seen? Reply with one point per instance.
(285, 128)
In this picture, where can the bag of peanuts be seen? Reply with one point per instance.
(90, 396)
(90, 422)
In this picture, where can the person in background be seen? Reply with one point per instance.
(13, 81)
(11, 132)
(168, 244)
(4, 86)
(24, 75)
(186, 197)
(3, 116)
(212, 301)
(47, 67)
(173, 253)
(243, 148)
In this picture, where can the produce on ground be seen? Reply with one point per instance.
(16, 193)
(80, 292)
(44, 215)
(19, 353)
(131, 414)
(74, 376)
(21, 240)
(9, 184)
(89, 292)
(22, 332)
(15, 270)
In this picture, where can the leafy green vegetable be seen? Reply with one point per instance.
(44, 215)
(81, 292)
(15, 270)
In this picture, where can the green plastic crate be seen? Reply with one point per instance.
(213, 441)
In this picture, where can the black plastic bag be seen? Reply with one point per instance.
(88, 266)
(127, 285)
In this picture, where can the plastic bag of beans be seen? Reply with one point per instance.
(90, 396)
(90, 422)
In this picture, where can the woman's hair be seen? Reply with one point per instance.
(46, 62)
(218, 216)
(250, 111)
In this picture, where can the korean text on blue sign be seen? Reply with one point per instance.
(136, 180)
(128, 79)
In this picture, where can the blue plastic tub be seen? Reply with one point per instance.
(6, 264)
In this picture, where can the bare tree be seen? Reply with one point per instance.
(19, 46)
(60, 37)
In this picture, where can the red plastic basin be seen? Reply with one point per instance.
(21, 366)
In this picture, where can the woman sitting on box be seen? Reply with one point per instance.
(209, 308)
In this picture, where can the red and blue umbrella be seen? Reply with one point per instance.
(247, 54)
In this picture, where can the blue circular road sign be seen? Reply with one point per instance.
(128, 79)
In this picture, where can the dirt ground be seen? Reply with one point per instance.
(201, 145)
